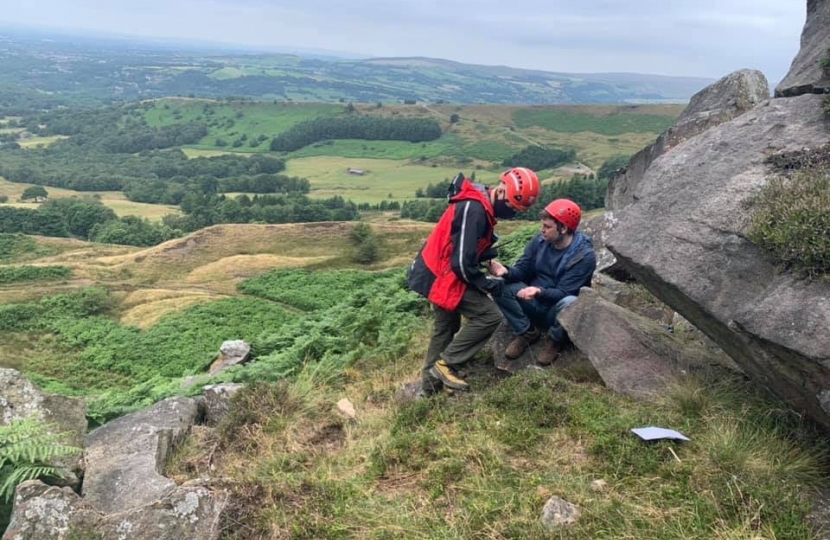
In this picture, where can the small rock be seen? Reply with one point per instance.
(346, 407)
(231, 353)
(412, 390)
(558, 512)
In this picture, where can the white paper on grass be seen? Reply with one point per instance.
(655, 433)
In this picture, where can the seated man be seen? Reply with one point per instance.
(557, 262)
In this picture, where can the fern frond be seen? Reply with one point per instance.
(21, 430)
(21, 474)
(25, 448)
(38, 448)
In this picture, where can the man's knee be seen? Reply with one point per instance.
(492, 318)
(565, 302)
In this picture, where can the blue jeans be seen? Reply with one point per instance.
(521, 314)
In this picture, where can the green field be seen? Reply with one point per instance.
(328, 177)
(34, 142)
(356, 148)
(485, 134)
(570, 121)
(113, 199)
(479, 139)
(232, 121)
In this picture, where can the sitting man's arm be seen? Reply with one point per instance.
(572, 280)
(523, 269)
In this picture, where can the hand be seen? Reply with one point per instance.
(496, 268)
(529, 293)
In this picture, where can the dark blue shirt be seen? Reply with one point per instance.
(559, 273)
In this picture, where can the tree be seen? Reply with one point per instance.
(360, 233)
(38, 193)
(366, 253)
(454, 118)
(367, 244)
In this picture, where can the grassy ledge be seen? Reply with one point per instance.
(791, 216)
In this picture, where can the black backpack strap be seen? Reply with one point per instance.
(455, 186)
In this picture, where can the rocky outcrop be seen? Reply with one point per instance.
(51, 513)
(683, 238)
(124, 458)
(20, 399)
(231, 353)
(217, 401)
(720, 102)
(599, 228)
(634, 356)
(806, 74)
(124, 493)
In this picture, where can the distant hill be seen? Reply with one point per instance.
(54, 70)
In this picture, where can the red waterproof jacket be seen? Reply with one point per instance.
(449, 260)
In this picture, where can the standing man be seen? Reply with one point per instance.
(446, 271)
(557, 262)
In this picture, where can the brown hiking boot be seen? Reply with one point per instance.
(519, 345)
(447, 375)
(548, 352)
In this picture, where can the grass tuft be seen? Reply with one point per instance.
(791, 217)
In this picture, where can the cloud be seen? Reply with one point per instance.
(681, 37)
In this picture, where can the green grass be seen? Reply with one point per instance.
(230, 121)
(483, 464)
(19, 247)
(495, 150)
(14, 274)
(490, 136)
(304, 290)
(398, 150)
(328, 176)
(34, 142)
(566, 121)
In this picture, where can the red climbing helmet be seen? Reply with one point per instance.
(522, 186)
(566, 212)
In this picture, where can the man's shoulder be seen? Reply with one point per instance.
(469, 208)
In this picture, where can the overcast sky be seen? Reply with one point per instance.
(707, 38)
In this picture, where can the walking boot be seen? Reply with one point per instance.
(447, 375)
(519, 345)
(548, 352)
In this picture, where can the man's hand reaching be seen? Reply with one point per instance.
(529, 293)
(496, 268)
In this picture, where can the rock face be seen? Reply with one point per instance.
(634, 355)
(599, 228)
(124, 494)
(805, 75)
(217, 401)
(20, 399)
(51, 513)
(683, 238)
(720, 102)
(125, 457)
